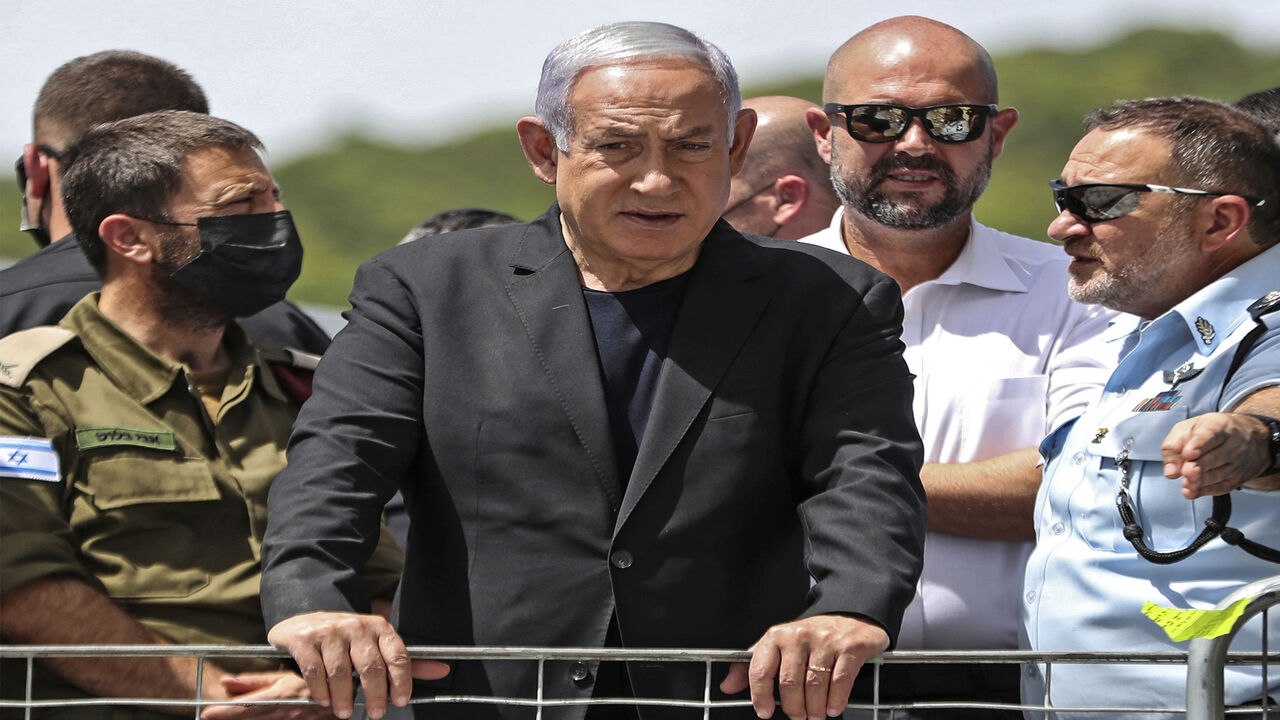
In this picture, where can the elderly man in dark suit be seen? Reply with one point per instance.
(622, 424)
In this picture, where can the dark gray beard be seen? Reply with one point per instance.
(176, 304)
(958, 198)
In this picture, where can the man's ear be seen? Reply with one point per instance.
(1222, 220)
(791, 192)
(820, 124)
(125, 236)
(539, 147)
(37, 167)
(1001, 123)
(744, 127)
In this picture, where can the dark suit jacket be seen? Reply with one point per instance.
(42, 287)
(780, 445)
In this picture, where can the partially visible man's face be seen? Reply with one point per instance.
(914, 182)
(748, 209)
(1135, 263)
(215, 181)
(647, 171)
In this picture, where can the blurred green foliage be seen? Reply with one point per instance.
(361, 196)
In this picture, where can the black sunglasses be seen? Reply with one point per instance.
(1096, 202)
(886, 123)
(20, 167)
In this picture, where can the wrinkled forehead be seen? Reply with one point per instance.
(651, 90)
(1128, 154)
(214, 173)
(694, 73)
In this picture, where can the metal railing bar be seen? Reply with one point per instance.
(31, 662)
(706, 692)
(542, 667)
(998, 657)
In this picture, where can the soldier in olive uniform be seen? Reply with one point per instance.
(139, 437)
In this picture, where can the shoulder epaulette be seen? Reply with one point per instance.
(1268, 303)
(292, 368)
(22, 351)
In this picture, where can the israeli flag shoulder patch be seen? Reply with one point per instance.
(29, 458)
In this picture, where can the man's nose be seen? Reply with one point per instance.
(1067, 226)
(915, 140)
(654, 176)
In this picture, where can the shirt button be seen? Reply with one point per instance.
(1031, 671)
(621, 559)
(579, 672)
(1059, 528)
(1031, 596)
(1119, 391)
(1078, 458)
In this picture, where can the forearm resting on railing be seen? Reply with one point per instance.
(63, 610)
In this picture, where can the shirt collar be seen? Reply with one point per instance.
(135, 368)
(982, 263)
(1213, 312)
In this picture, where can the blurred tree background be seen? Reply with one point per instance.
(362, 195)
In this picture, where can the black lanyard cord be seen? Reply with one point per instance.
(1216, 525)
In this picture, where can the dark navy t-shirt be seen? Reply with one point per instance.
(632, 330)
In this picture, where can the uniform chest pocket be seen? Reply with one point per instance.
(1169, 520)
(139, 516)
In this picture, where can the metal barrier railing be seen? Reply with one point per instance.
(1206, 661)
(1206, 657)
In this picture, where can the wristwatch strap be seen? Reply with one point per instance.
(1273, 443)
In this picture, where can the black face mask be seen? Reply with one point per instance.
(246, 262)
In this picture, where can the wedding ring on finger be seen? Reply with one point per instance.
(819, 668)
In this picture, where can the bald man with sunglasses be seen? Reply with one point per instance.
(1169, 210)
(910, 127)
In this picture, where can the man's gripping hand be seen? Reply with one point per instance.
(1216, 453)
(250, 688)
(837, 646)
(330, 646)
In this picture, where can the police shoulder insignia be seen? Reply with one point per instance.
(1266, 304)
(23, 350)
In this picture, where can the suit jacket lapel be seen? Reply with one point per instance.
(721, 307)
(547, 295)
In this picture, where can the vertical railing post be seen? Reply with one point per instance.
(1207, 657)
(542, 666)
(31, 669)
(1266, 696)
(199, 684)
(706, 694)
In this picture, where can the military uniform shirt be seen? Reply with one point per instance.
(155, 503)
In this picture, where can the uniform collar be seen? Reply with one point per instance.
(142, 373)
(1213, 312)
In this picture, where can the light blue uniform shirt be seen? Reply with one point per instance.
(1085, 584)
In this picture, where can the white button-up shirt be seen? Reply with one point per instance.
(1085, 583)
(1001, 354)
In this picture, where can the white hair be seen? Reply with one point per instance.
(619, 43)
